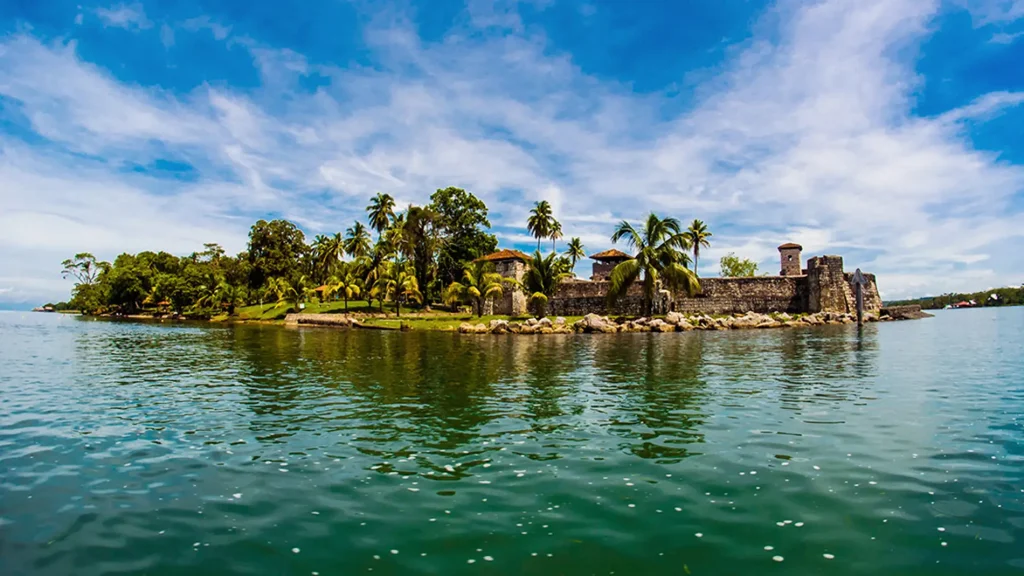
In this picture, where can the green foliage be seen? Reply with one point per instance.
(461, 223)
(660, 247)
(380, 211)
(734, 267)
(479, 282)
(1008, 296)
(276, 250)
(575, 252)
(697, 235)
(398, 283)
(542, 224)
(357, 241)
(542, 277)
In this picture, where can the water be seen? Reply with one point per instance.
(171, 449)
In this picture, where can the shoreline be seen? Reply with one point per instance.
(589, 324)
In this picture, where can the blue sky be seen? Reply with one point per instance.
(887, 131)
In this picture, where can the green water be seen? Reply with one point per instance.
(131, 448)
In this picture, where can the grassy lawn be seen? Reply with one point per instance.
(275, 312)
(445, 321)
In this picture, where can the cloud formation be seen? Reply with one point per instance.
(127, 16)
(806, 133)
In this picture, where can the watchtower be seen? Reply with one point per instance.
(509, 264)
(605, 262)
(790, 254)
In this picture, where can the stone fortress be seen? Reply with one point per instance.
(821, 287)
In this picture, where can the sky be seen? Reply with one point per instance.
(885, 131)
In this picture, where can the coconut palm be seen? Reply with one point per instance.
(479, 282)
(697, 235)
(381, 211)
(660, 247)
(555, 234)
(540, 220)
(230, 296)
(346, 282)
(575, 251)
(542, 277)
(398, 282)
(357, 241)
(292, 293)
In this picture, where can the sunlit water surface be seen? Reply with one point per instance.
(189, 449)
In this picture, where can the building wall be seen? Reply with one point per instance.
(512, 301)
(790, 262)
(582, 298)
(759, 294)
(602, 270)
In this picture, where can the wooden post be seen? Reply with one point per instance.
(859, 281)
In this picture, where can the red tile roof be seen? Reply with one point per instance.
(790, 245)
(503, 255)
(612, 254)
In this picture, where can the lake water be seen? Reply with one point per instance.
(129, 448)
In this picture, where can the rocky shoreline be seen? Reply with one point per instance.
(673, 322)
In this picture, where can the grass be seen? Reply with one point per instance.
(444, 321)
(278, 312)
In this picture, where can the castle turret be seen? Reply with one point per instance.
(790, 254)
(605, 262)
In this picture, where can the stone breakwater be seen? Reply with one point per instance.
(672, 322)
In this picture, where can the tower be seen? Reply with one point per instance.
(790, 254)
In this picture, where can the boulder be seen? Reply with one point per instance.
(465, 328)
(544, 322)
(531, 322)
(593, 323)
(560, 321)
(674, 318)
(664, 327)
(498, 327)
(784, 317)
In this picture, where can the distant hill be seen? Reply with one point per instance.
(993, 297)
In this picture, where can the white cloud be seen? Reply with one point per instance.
(127, 16)
(805, 135)
(1005, 38)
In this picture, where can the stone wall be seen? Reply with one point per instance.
(824, 288)
(512, 301)
(602, 270)
(580, 298)
(759, 294)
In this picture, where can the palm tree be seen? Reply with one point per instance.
(479, 282)
(399, 283)
(697, 235)
(539, 222)
(292, 293)
(327, 252)
(542, 277)
(357, 241)
(575, 251)
(556, 233)
(381, 211)
(660, 247)
(230, 296)
(346, 282)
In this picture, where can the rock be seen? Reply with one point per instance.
(593, 323)
(560, 321)
(546, 329)
(674, 318)
(531, 322)
(869, 317)
(642, 321)
(665, 327)
(784, 317)
(465, 328)
(498, 327)
(544, 322)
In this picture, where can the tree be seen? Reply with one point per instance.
(327, 253)
(346, 282)
(542, 277)
(398, 282)
(84, 268)
(697, 235)
(357, 241)
(420, 234)
(556, 233)
(479, 282)
(461, 223)
(660, 247)
(734, 267)
(230, 296)
(292, 293)
(276, 250)
(540, 221)
(381, 210)
(575, 251)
